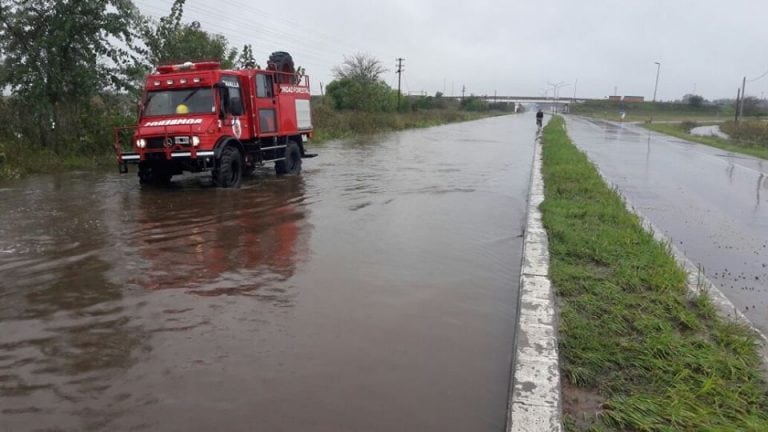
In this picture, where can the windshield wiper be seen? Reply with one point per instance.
(192, 93)
(146, 103)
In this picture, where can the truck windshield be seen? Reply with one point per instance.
(185, 101)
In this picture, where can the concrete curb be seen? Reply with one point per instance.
(698, 283)
(535, 391)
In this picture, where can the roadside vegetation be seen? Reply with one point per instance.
(653, 111)
(748, 137)
(359, 102)
(71, 74)
(334, 124)
(637, 352)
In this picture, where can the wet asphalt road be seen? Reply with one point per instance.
(375, 292)
(711, 203)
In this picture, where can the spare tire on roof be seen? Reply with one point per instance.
(281, 61)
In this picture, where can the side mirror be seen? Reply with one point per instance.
(236, 106)
(224, 99)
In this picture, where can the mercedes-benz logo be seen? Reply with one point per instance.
(168, 142)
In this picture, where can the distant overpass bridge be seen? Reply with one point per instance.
(561, 104)
(526, 99)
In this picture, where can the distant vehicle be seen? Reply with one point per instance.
(197, 117)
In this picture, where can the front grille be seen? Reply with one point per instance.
(165, 142)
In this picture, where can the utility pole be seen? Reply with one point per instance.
(399, 75)
(555, 88)
(463, 89)
(738, 97)
(573, 99)
(743, 96)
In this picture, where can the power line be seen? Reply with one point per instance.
(269, 35)
(265, 32)
(758, 78)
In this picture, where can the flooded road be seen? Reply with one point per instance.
(375, 292)
(712, 204)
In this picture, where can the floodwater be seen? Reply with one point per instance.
(712, 130)
(375, 292)
(712, 204)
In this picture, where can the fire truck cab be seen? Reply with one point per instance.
(197, 117)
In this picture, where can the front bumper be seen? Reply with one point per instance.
(134, 158)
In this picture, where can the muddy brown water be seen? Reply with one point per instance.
(377, 291)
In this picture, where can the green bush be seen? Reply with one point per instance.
(752, 132)
(474, 103)
(361, 95)
(332, 124)
(687, 125)
(502, 106)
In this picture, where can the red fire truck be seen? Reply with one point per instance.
(197, 117)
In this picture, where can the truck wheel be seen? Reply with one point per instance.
(152, 175)
(230, 169)
(249, 167)
(292, 163)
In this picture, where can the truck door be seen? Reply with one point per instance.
(266, 103)
(236, 108)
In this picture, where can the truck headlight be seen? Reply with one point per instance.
(195, 141)
(141, 143)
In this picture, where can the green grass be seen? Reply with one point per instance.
(732, 145)
(20, 160)
(646, 111)
(629, 334)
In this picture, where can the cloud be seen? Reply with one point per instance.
(511, 47)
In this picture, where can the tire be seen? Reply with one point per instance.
(292, 163)
(281, 61)
(249, 168)
(229, 172)
(151, 175)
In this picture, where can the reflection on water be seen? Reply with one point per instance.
(222, 245)
(76, 264)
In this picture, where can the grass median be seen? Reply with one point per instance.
(637, 352)
(679, 130)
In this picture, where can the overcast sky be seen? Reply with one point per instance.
(511, 47)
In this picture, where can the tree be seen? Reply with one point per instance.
(171, 41)
(754, 106)
(360, 67)
(57, 55)
(246, 59)
(474, 103)
(357, 86)
(349, 94)
(694, 101)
